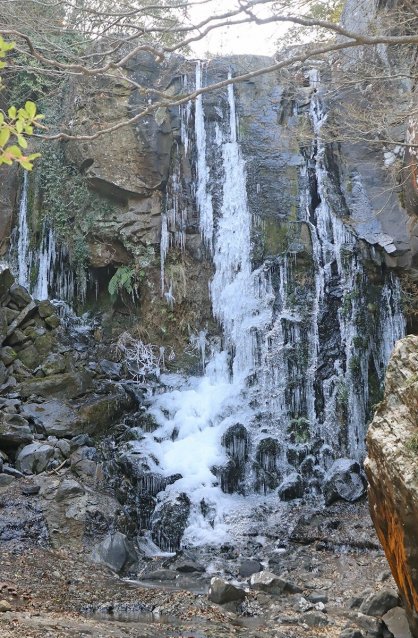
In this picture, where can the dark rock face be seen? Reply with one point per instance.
(221, 592)
(116, 551)
(380, 603)
(169, 521)
(344, 480)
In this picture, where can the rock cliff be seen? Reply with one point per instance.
(391, 468)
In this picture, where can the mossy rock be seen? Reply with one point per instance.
(64, 386)
(45, 343)
(30, 357)
(102, 411)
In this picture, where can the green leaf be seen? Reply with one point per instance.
(4, 136)
(12, 112)
(30, 108)
(14, 151)
(21, 141)
(25, 163)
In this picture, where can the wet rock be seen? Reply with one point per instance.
(34, 458)
(189, 567)
(248, 567)
(221, 592)
(291, 487)
(267, 465)
(160, 574)
(116, 552)
(273, 584)
(345, 481)
(14, 431)
(169, 522)
(54, 418)
(380, 603)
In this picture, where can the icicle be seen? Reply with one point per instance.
(23, 238)
(46, 262)
(203, 196)
(164, 245)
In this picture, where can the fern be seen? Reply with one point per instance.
(124, 279)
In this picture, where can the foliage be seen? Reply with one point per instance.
(300, 430)
(124, 279)
(69, 206)
(324, 10)
(412, 444)
(409, 296)
(16, 124)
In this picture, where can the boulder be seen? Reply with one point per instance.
(34, 458)
(45, 309)
(116, 552)
(169, 521)
(6, 280)
(20, 295)
(54, 364)
(69, 488)
(397, 622)
(30, 357)
(272, 584)
(315, 619)
(380, 603)
(14, 430)
(6, 479)
(391, 468)
(344, 481)
(291, 487)
(100, 411)
(248, 567)
(3, 373)
(7, 355)
(221, 592)
(69, 385)
(371, 627)
(54, 417)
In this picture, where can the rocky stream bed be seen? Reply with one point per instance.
(77, 560)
